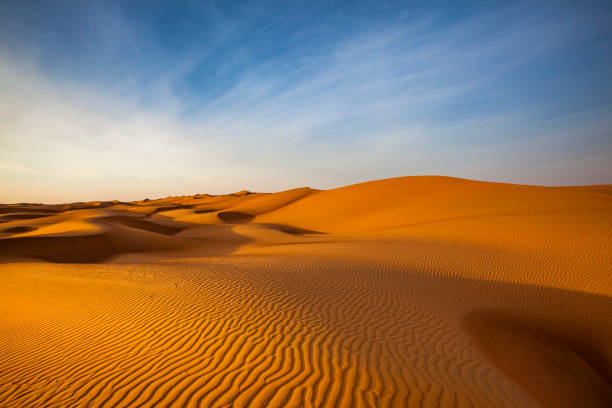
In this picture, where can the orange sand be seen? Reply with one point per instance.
(406, 292)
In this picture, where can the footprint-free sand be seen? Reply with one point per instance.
(405, 292)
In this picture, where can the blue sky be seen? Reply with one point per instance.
(126, 100)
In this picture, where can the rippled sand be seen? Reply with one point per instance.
(407, 292)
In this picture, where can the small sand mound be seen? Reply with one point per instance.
(142, 224)
(68, 249)
(241, 193)
(542, 365)
(19, 230)
(91, 248)
(233, 217)
(27, 209)
(170, 208)
(22, 216)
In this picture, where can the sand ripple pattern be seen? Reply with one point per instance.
(258, 332)
(352, 297)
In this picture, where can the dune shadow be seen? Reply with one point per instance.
(19, 229)
(141, 223)
(553, 344)
(64, 249)
(22, 216)
(568, 317)
(86, 206)
(170, 208)
(233, 217)
(288, 229)
(551, 367)
(28, 209)
(147, 237)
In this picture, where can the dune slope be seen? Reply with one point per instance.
(414, 291)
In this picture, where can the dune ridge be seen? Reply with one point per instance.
(415, 291)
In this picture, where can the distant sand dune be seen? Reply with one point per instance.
(407, 292)
(21, 216)
(19, 229)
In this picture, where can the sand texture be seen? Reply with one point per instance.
(406, 292)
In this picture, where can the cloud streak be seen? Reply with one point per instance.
(409, 94)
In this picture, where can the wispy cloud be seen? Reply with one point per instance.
(398, 96)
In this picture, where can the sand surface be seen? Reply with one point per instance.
(405, 292)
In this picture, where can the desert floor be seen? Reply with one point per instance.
(406, 292)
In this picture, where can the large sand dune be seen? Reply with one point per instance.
(406, 292)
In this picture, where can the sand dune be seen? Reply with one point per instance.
(405, 292)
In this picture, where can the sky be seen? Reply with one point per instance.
(132, 99)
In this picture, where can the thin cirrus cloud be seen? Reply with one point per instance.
(214, 100)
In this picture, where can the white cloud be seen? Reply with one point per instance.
(362, 108)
